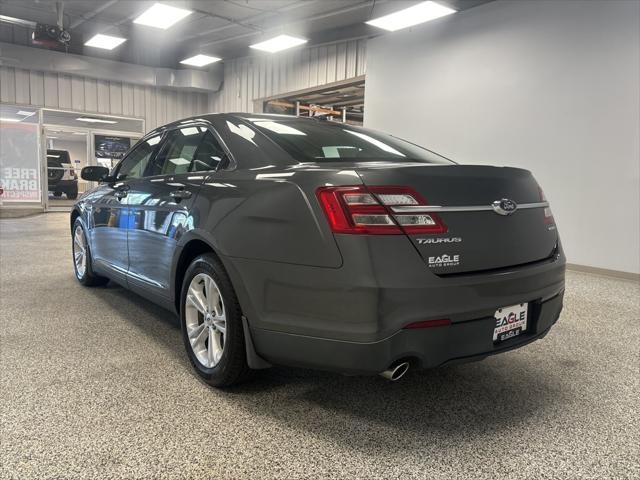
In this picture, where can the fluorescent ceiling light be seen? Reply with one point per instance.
(200, 60)
(94, 120)
(79, 133)
(6, 119)
(106, 42)
(281, 42)
(25, 113)
(420, 13)
(162, 16)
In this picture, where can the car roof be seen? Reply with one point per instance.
(231, 115)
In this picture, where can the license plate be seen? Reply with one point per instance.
(510, 322)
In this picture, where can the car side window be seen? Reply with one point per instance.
(136, 163)
(208, 155)
(178, 151)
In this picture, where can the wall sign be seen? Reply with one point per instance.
(109, 149)
(19, 165)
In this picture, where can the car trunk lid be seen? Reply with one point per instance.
(480, 234)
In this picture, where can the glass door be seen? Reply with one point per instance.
(67, 152)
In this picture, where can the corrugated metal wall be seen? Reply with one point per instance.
(245, 79)
(156, 105)
(249, 78)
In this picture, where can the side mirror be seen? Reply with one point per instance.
(94, 174)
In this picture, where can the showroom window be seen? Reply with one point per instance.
(19, 154)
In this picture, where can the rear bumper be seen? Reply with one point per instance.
(351, 318)
(425, 348)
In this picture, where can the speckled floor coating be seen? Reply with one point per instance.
(95, 384)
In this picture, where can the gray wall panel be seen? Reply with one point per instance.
(115, 98)
(91, 95)
(150, 108)
(77, 93)
(71, 92)
(23, 92)
(36, 86)
(8, 85)
(104, 104)
(64, 91)
(127, 100)
(50, 90)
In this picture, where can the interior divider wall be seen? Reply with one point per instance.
(263, 75)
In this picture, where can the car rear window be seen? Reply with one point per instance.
(313, 140)
(61, 155)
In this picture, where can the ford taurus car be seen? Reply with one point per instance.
(311, 243)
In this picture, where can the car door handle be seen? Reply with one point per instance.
(121, 192)
(180, 195)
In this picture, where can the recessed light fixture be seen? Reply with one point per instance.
(420, 13)
(200, 60)
(94, 120)
(276, 44)
(162, 16)
(106, 42)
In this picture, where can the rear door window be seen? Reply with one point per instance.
(209, 154)
(178, 151)
(135, 165)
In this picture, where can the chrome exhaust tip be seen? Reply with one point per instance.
(396, 372)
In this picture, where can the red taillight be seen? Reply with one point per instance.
(548, 215)
(369, 210)
(429, 324)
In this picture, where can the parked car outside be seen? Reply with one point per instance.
(311, 243)
(61, 176)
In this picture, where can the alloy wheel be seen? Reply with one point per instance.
(205, 319)
(79, 252)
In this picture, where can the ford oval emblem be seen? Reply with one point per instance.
(504, 206)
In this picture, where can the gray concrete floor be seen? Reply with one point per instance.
(95, 384)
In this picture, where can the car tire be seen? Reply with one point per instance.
(57, 194)
(72, 195)
(226, 366)
(55, 171)
(85, 275)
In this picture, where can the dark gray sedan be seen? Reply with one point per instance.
(306, 242)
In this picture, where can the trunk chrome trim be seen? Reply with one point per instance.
(469, 208)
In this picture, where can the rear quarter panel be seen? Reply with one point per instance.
(270, 215)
